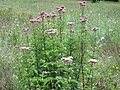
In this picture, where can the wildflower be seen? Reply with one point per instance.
(68, 59)
(43, 14)
(26, 29)
(61, 9)
(33, 20)
(37, 19)
(71, 23)
(95, 28)
(83, 19)
(92, 61)
(48, 15)
(51, 32)
(83, 4)
(53, 14)
(24, 49)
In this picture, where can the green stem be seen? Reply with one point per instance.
(94, 45)
(91, 72)
(43, 33)
(82, 52)
(70, 45)
(60, 23)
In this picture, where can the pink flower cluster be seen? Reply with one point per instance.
(83, 4)
(61, 9)
(92, 61)
(42, 16)
(71, 24)
(36, 19)
(51, 32)
(69, 59)
(50, 15)
(95, 28)
(53, 14)
(83, 19)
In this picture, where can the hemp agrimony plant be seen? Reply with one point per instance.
(49, 61)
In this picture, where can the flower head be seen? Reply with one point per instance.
(24, 49)
(68, 59)
(33, 20)
(26, 29)
(36, 19)
(83, 19)
(48, 15)
(61, 9)
(53, 14)
(71, 24)
(92, 61)
(83, 4)
(43, 14)
(51, 32)
(95, 28)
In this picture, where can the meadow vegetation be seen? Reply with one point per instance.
(59, 45)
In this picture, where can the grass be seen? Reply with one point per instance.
(15, 14)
